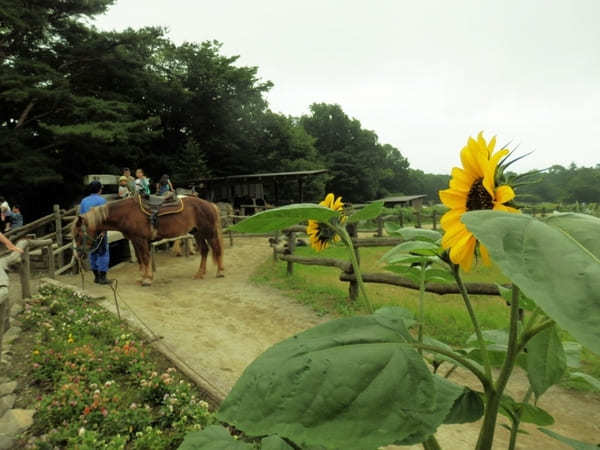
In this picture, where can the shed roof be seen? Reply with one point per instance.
(258, 176)
(402, 198)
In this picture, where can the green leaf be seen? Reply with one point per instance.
(582, 227)
(415, 234)
(405, 258)
(351, 383)
(525, 303)
(551, 265)
(529, 413)
(467, 408)
(368, 212)
(274, 443)
(595, 382)
(413, 248)
(412, 273)
(213, 437)
(577, 445)
(280, 218)
(391, 228)
(546, 360)
(438, 276)
(573, 354)
(397, 313)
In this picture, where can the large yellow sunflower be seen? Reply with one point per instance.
(471, 188)
(321, 235)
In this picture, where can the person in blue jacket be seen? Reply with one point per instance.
(99, 258)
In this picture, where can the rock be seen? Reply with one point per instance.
(12, 334)
(15, 421)
(6, 442)
(16, 309)
(7, 388)
(6, 403)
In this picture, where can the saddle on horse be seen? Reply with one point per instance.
(155, 206)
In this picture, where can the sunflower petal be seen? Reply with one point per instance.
(501, 207)
(453, 235)
(504, 194)
(453, 199)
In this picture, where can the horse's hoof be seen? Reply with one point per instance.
(146, 282)
(198, 276)
(220, 275)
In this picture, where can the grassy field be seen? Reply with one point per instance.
(445, 315)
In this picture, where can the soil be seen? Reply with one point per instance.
(220, 325)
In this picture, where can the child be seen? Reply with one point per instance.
(16, 218)
(164, 185)
(142, 184)
(123, 188)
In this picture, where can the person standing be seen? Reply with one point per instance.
(99, 257)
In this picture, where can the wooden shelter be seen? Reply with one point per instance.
(416, 201)
(249, 190)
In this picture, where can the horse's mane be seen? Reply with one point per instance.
(96, 216)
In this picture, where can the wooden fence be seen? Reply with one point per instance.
(284, 245)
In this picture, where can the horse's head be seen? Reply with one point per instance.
(83, 238)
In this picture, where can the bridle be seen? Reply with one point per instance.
(84, 249)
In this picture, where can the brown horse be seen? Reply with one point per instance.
(198, 216)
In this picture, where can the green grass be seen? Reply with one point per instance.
(446, 318)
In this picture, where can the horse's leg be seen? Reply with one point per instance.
(146, 263)
(203, 253)
(177, 247)
(216, 245)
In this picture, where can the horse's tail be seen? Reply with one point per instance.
(217, 244)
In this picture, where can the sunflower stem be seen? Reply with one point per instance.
(421, 304)
(516, 421)
(474, 321)
(355, 265)
(486, 434)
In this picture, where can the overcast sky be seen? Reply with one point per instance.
(424, 75)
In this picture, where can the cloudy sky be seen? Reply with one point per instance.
(424, 75)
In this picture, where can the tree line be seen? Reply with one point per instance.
(75, 100)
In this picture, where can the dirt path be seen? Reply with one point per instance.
(221, 325)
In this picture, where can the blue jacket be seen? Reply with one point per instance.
(90, 201)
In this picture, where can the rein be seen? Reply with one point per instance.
(96, 243)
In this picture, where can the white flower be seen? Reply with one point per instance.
(81, 431)
(203, 404)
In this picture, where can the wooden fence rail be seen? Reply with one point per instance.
(284, 251)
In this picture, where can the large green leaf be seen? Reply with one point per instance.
(577, 445)
(467, 408)
(274, 443)
(546, 360)
(352, 383)
(213, 437)
(368, 212)
(413, 234)
(420, 248)
(582, 227)
(280, 218)
(551, 265)
(528, 412)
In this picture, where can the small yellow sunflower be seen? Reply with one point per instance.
(321, 235)
(471, 188)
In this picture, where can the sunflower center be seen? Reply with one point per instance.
(479, 197)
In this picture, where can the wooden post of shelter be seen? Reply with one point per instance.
(401, 217)
(59, 234)
(291, 236)
(417, 219)
(433, 218)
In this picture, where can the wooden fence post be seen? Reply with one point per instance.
(59, 234)
(380, 226)
(25, 274)
(433, 218)
(291, 247)
(51, 266)
(276, 241)
(417, 219)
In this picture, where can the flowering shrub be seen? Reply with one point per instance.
(98, 387)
